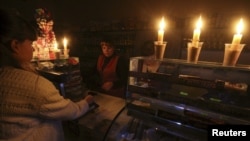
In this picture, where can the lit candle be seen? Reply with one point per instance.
(56, 51)
(65, 43)
(161, 31)
(237, 37)
(197, 31)
(65, 50)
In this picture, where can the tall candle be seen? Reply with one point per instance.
(237, 37)
(197, 31)
(161, 31)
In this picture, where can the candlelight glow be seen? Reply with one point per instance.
(237, 37)
(162, 24)
(197, 31)
(199, 23)
(65, 42)
(161, 30)
(240, 27)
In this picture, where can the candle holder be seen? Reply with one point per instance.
(193, 51)
(159, 49)
(231, 54)
(57, 54)
(66, 53)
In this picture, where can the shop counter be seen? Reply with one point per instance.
(95, 123)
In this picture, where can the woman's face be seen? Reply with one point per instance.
(107, 49)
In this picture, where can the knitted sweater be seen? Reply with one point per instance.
(31, 108)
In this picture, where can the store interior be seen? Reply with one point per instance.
(131, 23)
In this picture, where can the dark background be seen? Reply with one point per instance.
(73, 18)
(70, 13)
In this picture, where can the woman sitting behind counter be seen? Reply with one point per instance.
(111, 71)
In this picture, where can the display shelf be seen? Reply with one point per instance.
(177, 129)
(181, 109)
(183, 99)
(132, 124)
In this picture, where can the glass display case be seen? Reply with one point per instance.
(170, 99)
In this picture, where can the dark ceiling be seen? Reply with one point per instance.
(77, 11)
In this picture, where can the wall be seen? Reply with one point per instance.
(80, 11)
(77, 15)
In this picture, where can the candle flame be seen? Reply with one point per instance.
(162, 24)
(239, 27)
(65, 42)
(199, 23)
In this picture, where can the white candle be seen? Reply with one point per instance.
(197, 31)
(161, 31)
(237, 37)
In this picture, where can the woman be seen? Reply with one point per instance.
(31, 108)
(111, 71)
